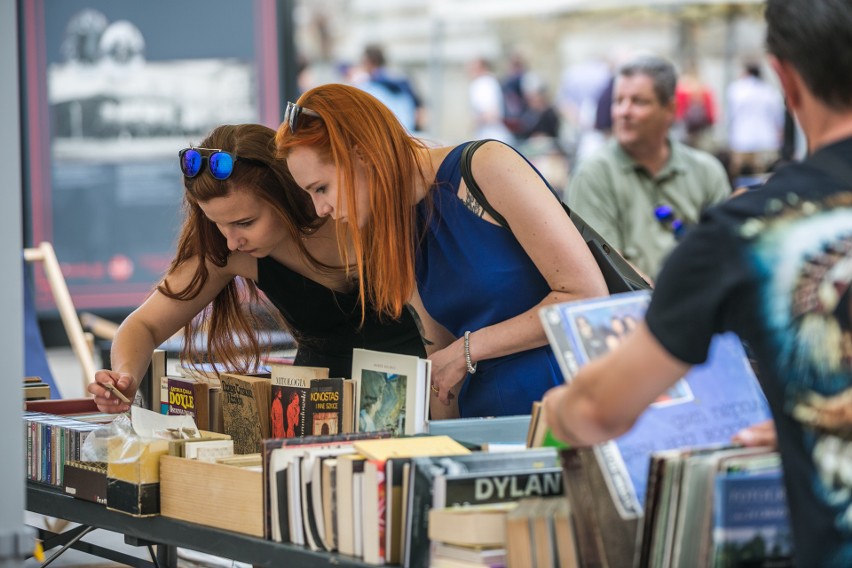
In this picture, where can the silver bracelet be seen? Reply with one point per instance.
(471, 367)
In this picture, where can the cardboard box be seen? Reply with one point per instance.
(133, 475)
(86, 480)
(212, 494)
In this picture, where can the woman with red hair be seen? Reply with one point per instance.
(413, 233)
(251, 248)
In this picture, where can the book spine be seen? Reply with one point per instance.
(589, 544)
(499, 487)
(421, 477)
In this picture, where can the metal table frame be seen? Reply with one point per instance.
(167, 534)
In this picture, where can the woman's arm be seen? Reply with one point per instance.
(157, 319)
(550, 239)
(435, 337)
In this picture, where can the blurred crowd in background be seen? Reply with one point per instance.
(559, 113)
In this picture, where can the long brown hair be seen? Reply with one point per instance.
(231, 322)
(353, 125)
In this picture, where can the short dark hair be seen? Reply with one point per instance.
(375, 55)
(753, 69)
(815, 37)
(661, 71)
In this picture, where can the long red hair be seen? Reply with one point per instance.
(353, 125)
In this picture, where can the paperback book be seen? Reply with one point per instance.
(290, 409)
(393, 392)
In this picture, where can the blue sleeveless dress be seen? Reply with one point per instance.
(471, 274)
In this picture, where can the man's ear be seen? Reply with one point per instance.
(790, 81)
(671, 109)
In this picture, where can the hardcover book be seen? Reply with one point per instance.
(348, 466)
(476, 525)
(150, 384)
(245, 411)
(373, 512)
(276, 454)
(393, 392)
(313, 519)
(36, 389)
(481, 477)
(329, 501)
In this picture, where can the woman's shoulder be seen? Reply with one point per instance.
(489, 152)
(438, 155)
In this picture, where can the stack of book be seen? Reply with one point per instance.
(36, 389)
(369, 495)
(54, 433)
(469, 536)
(539, 533)
(387, 392)
(606, 484)
(715, 507)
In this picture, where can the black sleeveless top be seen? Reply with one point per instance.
(325, 323)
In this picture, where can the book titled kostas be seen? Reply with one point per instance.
(325, 406)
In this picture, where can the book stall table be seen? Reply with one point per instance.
(168, 534)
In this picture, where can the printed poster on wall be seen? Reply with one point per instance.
(114, 89)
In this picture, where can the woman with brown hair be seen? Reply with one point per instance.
(247, 228)
(418, 233)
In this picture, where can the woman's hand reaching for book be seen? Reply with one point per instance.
(108, 389)
(448, 371)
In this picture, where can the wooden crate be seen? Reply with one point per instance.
(212, 494)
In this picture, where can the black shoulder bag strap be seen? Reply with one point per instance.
(619, 275)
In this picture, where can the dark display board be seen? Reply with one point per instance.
(113, 90)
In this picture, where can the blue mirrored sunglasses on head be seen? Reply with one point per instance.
(219, 163)
(294, 112)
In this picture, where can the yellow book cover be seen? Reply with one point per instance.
(415, 446)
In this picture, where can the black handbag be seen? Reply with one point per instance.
(619, 275)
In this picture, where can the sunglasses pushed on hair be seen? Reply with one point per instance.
(294, 112)
(219, 162)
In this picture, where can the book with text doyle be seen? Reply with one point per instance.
(187, 395)
(393, 392)
(707, 406)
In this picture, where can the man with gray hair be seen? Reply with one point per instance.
(644, 189)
